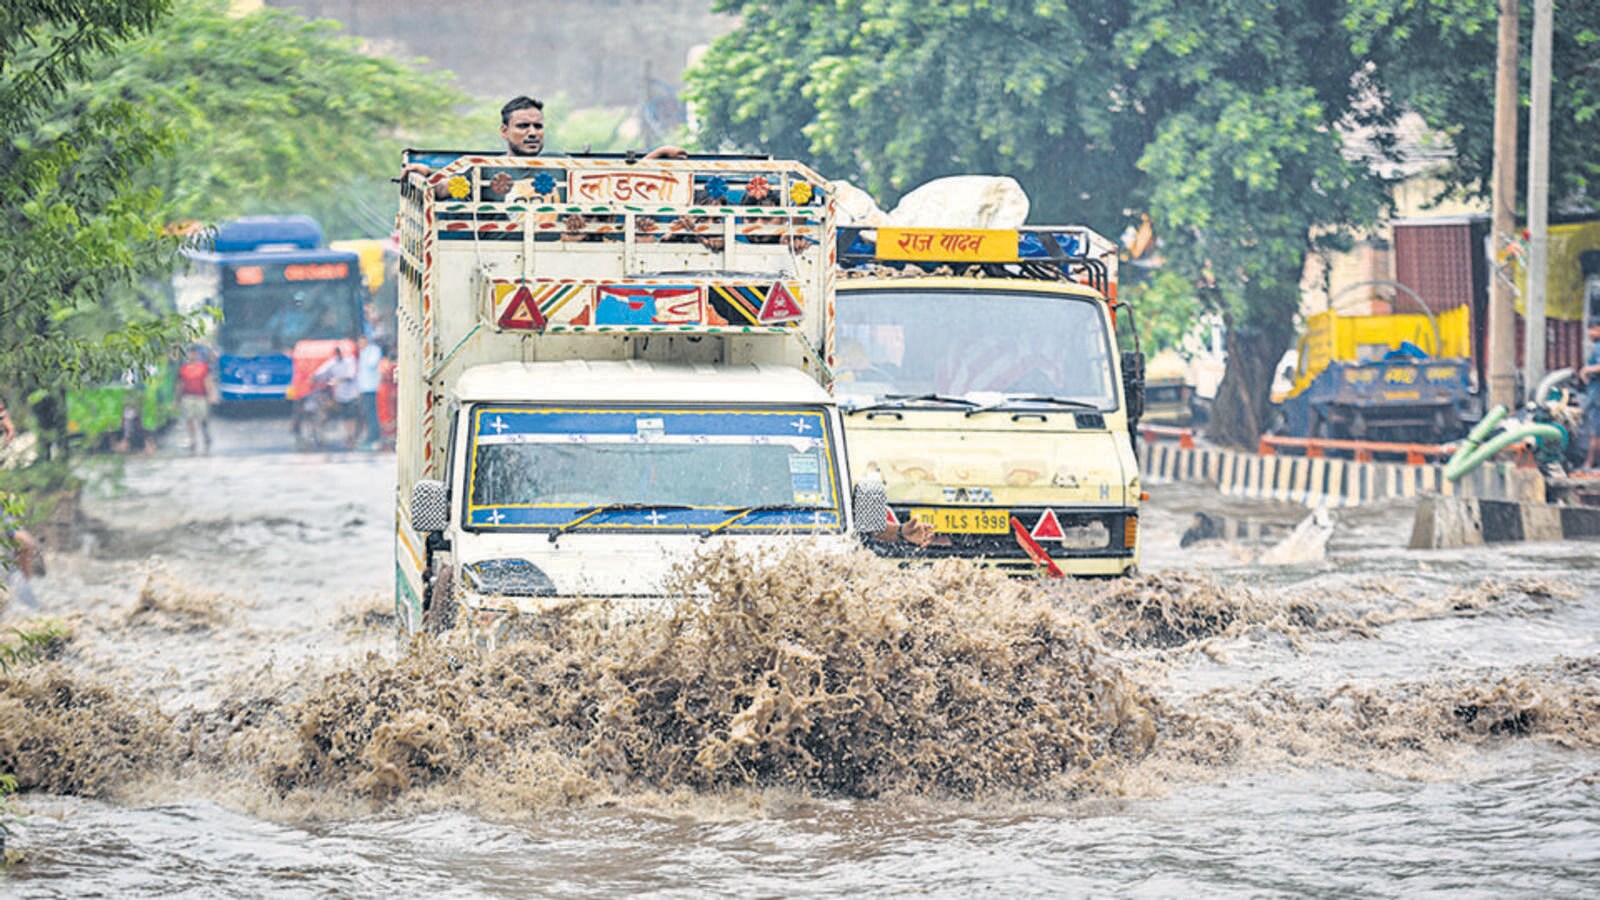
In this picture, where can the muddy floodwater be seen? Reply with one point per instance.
(232, 715)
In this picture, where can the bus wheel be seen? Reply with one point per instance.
(440, 614)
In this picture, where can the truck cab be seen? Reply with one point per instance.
(603, 371)
(990, 380)
(1382, 376)
(1169, 397)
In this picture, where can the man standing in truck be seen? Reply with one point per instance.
(522, 128)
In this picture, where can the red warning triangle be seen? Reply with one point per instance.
(780, 306)
(522, 313)
(1047, 528)
(1034, 551)
(893, 519)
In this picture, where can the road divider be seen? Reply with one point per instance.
(1320, 481)
(1444, 522)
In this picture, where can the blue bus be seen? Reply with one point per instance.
(276, 286)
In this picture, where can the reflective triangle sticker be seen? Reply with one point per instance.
(1047, 528)
(522, 313)
(780, 306)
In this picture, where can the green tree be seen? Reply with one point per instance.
(46, 43)
(1228, 122)
(1248, 170)
(144, 113)
(280, 114)
(889, 93)
(1437, 57)
(74, 225)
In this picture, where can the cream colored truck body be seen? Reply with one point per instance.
(588, 390)
(993, 402)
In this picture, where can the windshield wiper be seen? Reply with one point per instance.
(892, 401)
(1013, 401)
(738, 513)
(593, 511)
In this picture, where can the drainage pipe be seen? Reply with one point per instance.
(1476, 436)
(1460, 464)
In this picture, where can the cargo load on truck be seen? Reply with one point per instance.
(991, 380)
(603, 366)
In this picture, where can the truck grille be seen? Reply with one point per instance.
(1118, 524)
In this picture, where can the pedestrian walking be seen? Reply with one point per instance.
(1589, 374)
(196, 388)
(369, 361)
(340, 373)
(20, 559)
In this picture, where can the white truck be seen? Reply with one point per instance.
(603, 364)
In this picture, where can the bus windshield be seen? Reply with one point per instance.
(273, 317)
(909, 341)
(677, 469)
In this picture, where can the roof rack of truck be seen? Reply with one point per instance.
(608, 249)
(1055, 253)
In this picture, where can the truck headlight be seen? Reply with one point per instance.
(509, 578)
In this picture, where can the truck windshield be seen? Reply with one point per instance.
(958, 342)
(535, 467)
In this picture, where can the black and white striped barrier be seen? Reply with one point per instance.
(1443, 522)
(1330, 482)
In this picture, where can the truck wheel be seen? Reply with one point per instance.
(440, 614)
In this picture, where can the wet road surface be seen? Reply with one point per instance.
(1381, 721)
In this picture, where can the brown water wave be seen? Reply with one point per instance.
(838, 676)
(66, 734)
(1171, 610)
(836, 673)
(1408, 728)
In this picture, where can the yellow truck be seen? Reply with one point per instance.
(991, 380)
(1387, 377)
(1169, 397)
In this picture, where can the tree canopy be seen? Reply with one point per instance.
(125, 116)
(889, 93)
(74, 226)
(1441, 56)
(1254, 132)
(279, 114)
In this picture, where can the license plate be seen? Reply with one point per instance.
(965, 521)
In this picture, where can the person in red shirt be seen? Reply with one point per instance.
(194, 398)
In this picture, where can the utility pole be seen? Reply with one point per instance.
(1502, 319)
(1538, 194)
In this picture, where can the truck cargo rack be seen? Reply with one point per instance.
(577, 251)
(598, 198)
(1050, 253)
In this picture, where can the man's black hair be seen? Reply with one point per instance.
(516, 103)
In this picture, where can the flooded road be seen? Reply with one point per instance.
(232, 715)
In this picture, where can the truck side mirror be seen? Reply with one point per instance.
(430, 506)
(1133, 384)
(870, 502)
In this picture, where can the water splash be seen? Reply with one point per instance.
(843, 674)
(825, 675)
